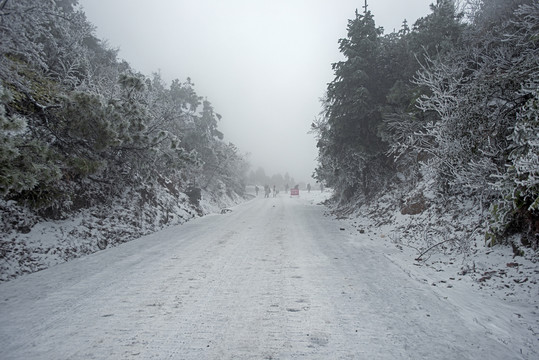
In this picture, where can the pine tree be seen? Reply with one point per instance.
(348, 133)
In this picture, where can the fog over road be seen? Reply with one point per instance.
(273, 279)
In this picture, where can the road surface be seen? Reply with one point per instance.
(273, 279)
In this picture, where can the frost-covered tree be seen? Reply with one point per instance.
(370, 105)
(348, 140)
(517, 210)
(431, 37)
(80, 127)
(25, 163)
(478, 98)
(454, 98)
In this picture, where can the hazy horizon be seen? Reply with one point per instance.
(264, 65)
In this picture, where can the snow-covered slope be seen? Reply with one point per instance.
(30, 244)
(447, 242)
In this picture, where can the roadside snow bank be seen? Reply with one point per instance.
(29, 244)
(443, 245)
(446, 240)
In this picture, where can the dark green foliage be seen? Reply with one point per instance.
(348, 134)
(437, 33)
(372, 92)
(78, 126)
(451, 100)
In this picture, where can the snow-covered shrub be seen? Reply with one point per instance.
(27, 164)
(518, 210)
(483, 139)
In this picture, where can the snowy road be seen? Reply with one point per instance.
(274, 279)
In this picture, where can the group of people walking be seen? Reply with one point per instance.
(267, 191)
(273, 191)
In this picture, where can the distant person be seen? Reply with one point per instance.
(256, 190)
(266, 191)
(274, 191)
(309, 187)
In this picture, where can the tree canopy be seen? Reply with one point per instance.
(78, 125)
(454, 96)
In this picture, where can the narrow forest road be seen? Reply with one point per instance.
(273, 279)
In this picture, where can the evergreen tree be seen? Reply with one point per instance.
(349, 141)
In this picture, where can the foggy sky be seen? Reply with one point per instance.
(263, 64)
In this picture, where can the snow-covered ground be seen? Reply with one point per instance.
(29, 244)
(274, 278)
